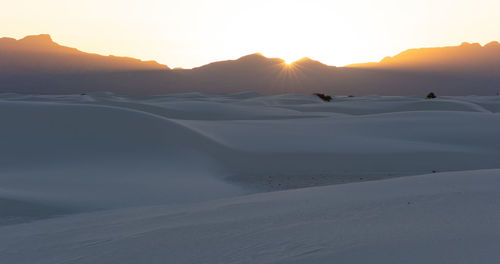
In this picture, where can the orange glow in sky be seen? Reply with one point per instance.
(191, 33)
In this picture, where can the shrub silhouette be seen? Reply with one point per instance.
(431, 96)
(324, 97)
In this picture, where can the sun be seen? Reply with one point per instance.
(289, 60)
(288, 63)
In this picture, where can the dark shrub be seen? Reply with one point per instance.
(324, 97)
(431, 96)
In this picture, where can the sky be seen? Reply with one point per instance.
(191, 33)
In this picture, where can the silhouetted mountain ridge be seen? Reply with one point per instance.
(468, 58)
(36, 64)
(37, 43)
(40, 54)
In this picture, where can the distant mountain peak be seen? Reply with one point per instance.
(253, 56)
(39, 53)
(467, 58)
(41, 42)
(36, 43)
(304, 59)
(492, 44)
(307, 60)
(467, 44)
(42, 39)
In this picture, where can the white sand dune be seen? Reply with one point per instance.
(437, 218)
(92, 157)
(96, 164)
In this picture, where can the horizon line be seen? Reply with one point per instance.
(250, 54)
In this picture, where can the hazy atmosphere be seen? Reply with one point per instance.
(191, 33)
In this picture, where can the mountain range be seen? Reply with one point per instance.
(36, 64)
(464, 59)
(40, 54)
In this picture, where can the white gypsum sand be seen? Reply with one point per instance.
(105, 178)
